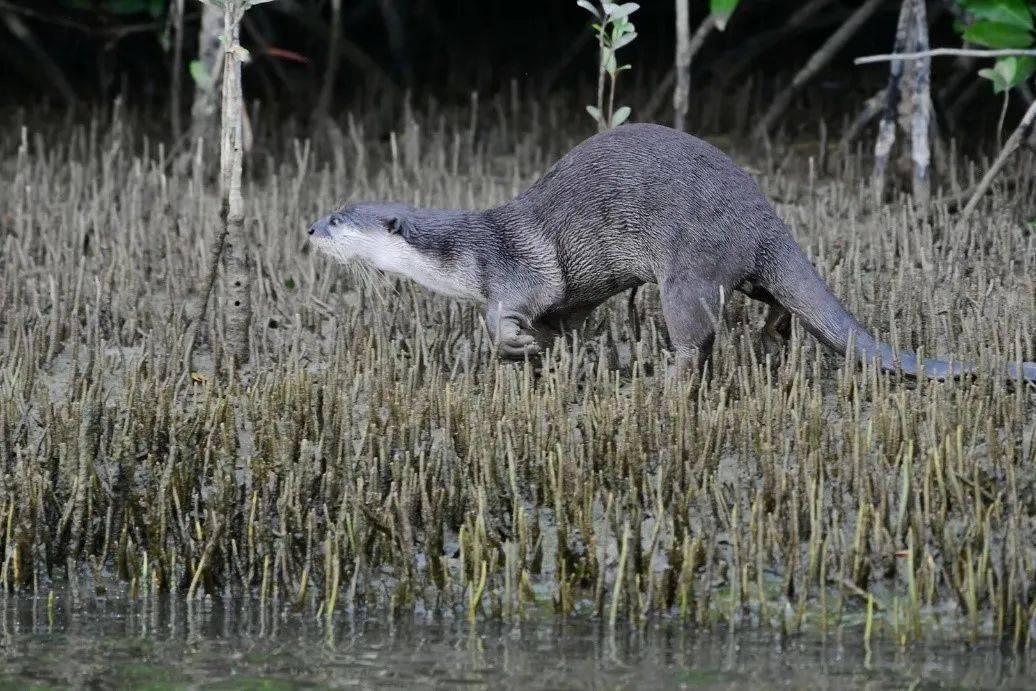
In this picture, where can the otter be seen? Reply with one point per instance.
(637, 204)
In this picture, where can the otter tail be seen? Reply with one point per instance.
(793, 281)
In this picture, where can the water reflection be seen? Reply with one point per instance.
(165, 643)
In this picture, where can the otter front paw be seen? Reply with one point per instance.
(513, 342)
(518, 347)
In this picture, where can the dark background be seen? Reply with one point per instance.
(447, 47)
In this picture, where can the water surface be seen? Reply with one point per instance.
(117, 642)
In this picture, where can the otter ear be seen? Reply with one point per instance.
(400, 225)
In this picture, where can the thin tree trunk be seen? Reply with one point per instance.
(683, 66)
(331, 69)
(176, 69)
(908, 102)
(887, 129)
(743, 56)
(919, 136)
(601, 126)
(238, 306)
(390, 13)
(816, 63)
(203, 108)
(697, 41)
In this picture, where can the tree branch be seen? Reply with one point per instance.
(941, 52)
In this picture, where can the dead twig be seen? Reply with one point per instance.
(114, 32)
(1013, 143)
(817, 62)
(331, 68)
(941, 52)
(24, 34)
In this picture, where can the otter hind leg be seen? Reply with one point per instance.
(777, 328)
(691, 307)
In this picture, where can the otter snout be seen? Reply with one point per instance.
(321, 229)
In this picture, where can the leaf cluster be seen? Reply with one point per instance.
(614, 31)
(1001, 24)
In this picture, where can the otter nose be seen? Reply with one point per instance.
(320, 229)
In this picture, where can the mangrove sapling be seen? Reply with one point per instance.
(614, 31)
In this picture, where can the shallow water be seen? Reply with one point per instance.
(119, 643)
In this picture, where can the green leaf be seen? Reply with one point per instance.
(200, 75)
(1011, 12)
(1009, 72)
(721, 11)
(610, 64)
(624, 10)
(624, 40)
(595, 112)
(997, 35)
(992, 75)
(620, 116)
(608, 8)
(585, 4)
(1024, 67)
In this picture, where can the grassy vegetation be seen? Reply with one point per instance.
(374, 454)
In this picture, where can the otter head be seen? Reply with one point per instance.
(371, 232)
(391, 238)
